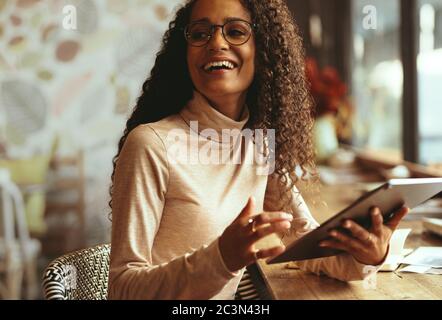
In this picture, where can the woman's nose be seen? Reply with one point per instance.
(217, 41)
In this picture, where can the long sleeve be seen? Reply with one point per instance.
(139, 195)
(342, 267)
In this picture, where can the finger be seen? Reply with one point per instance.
(334, 244)
(269, 253)
(377, 221)
(247, 211)
(279, 226)
(356, 230)
(348, 241)
(397, 217)
(270, 217)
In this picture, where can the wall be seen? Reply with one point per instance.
(76, 85)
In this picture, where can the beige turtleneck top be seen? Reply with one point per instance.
(169, 210)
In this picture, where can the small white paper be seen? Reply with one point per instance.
(397, 241)
(426, 257)
(421, 270)
(397, 251)
(415, 269)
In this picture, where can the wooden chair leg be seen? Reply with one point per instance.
(14, 280)
(31, 279)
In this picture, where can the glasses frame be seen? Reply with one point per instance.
(252, 26)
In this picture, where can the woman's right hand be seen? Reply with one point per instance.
(236, 244)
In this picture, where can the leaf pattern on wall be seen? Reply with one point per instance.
(25, 105)
(2, 5)
(136, 50)
(30, 59)
(49, 32)
(161, 12)
(17, 44)
(26, 3)
(87, 15)
(87, 99)
(67, 50)
(36, 20)
(45, 75)
(15, 20)
(69, 91)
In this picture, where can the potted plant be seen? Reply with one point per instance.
(332, 110)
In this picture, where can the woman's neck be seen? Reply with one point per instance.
(231, 106)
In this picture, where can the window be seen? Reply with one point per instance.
(377, 79)
(429, 65)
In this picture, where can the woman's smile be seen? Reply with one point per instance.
(219, 66)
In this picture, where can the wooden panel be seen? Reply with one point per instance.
(409, 50)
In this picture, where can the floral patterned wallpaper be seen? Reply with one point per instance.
(76, 85)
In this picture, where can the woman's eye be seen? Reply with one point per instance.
(199, 35)
(236, 33)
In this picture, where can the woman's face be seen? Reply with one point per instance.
(224, 82)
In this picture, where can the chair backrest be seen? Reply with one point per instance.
(80, 275)
(13, 225)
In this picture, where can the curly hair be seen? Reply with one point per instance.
(278, 97)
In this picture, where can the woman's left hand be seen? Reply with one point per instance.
(369, 247)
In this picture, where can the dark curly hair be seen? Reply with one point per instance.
(278, 97)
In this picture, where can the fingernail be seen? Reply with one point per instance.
(288, 216)
(322, 244)
(333, 233)
(347, 224)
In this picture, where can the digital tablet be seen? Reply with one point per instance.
(389, 197)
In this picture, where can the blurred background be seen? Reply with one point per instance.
(71, 71)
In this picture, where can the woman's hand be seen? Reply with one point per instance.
(366, 246)
(237, 241)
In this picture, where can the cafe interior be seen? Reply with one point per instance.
(375, 69)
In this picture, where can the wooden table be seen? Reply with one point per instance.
(288, 284)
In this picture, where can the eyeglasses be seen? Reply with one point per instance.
(235, 32)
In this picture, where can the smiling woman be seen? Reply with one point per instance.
(225, 38)
(187, 229)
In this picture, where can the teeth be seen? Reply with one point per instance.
(226, 64)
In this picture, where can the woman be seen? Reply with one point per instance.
(187, 229)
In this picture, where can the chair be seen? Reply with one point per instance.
(80, 275)
(65, 206)
(18, 252)
(83, 275)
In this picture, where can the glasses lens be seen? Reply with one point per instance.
(198, 34)
(237, 32)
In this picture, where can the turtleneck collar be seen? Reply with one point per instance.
(199, 109)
